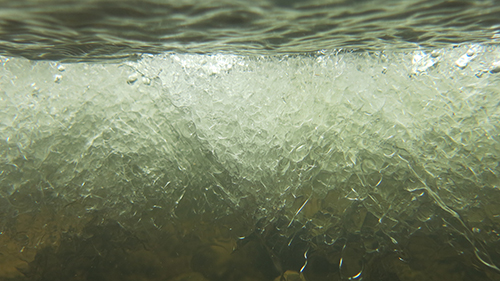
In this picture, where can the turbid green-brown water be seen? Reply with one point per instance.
(266, 140)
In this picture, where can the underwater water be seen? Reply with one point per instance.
(263, 140)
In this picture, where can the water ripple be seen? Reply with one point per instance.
(95, 30)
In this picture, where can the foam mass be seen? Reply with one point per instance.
(190, 135)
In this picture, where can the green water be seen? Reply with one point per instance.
(264, 140)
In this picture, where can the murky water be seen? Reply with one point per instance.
(88, 30)
(249, 140)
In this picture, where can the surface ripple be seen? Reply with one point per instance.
(95, 30)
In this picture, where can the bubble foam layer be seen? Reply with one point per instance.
(379, 146)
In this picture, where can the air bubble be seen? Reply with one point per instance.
(435, 53)
(464, 60)
(146, 81)
(422, 62)
(495, 67)
(132, 78)
(57, 78)
(35, 87)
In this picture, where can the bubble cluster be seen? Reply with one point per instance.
(379, 145)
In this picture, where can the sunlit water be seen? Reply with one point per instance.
(358, 127)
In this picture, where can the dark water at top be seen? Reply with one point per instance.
(87, 30)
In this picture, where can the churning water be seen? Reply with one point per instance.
(94, 29)
(249, 140)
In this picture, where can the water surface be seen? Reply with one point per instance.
(89, 29)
